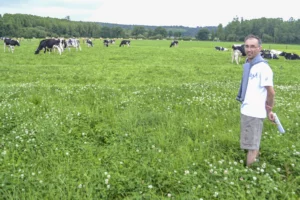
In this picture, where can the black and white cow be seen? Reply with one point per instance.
(89, 43)
(238, 51)
(49, 44)
(105, 43)
(290, 56)
(111, 41)
(73, 42)
(174, 43)
(10, 44)
(125, 42)
(240, 47)
(273, 51)
(221, 49)
(268, 54)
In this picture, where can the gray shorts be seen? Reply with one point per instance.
(251, 130)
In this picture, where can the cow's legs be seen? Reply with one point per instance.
(4, 46)
(58, 49)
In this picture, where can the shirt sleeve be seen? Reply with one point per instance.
(266, 76)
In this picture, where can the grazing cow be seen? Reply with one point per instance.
(49, 44)
(236, 55)
(11, 44)
(73, 42)
(290, 56)
(268, 54)
(89, 43)
(105, 43)
(221, 49)
(125, 42)
(111, 41)
(174, 43)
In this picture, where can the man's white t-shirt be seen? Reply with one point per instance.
(254, 104)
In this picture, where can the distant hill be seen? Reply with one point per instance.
(186, 31)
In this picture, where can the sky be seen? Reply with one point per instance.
(189, 13)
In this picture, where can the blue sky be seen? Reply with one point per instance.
(190, 13)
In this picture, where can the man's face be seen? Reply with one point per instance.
(252, 48)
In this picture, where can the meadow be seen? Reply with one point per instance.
(140, 122)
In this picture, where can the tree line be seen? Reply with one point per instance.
(271, 30)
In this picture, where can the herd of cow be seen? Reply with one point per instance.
(238, 51)
(61, 44)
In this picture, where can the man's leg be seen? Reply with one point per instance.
(251, 156)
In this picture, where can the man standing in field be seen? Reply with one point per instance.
(257, 97)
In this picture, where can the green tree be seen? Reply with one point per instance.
(105, 32)
(160, 31)
(138, 30)
(177, 34)
(203, 34)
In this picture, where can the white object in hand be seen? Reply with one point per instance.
(279, 126)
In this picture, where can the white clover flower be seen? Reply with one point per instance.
(108, 186)
(169, 195)
(106, 181)
(83, 134)
(211, 171)
(121, 163)
(175, 171)
(3, 153)
(254, 178)
(150, 186)
(241, 161)
(262, 170)
(231, 183)
(33, 174)
(22, 175)
(195, 173)
(225, 172)
(108, 176)
(216, 194)
(80, 186)
(293, 165)
(225, 178)
(235, 163)
(41, 181)
(278, 169)
(67, 153)
(186, 172)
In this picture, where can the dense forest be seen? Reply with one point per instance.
(271, 30)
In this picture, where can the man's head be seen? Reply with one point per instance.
(252, 46)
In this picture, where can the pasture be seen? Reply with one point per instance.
(140, 122)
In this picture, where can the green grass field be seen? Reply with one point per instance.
(140, 122)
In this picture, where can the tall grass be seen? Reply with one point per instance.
(140, 122)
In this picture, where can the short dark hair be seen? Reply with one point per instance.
(255, 37)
